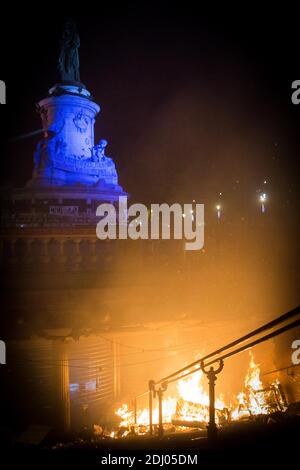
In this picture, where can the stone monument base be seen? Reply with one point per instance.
(51, 206)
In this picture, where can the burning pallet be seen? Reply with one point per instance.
(195, 415)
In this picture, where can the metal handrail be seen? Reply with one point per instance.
(236, 351)
(244, 338)
(281, 369)
(257, 341)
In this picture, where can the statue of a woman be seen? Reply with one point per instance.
(68, 61)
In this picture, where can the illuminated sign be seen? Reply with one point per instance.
(63, 210)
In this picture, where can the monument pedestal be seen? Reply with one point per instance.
(71, 175)
(67, 154)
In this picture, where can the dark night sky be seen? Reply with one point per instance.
(191, 102)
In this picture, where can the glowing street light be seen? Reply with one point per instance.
(218, 209)
(263, 199)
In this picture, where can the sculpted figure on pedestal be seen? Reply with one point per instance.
(68, 61)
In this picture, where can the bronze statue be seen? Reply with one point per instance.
(68, 61)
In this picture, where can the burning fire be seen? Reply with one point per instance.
(191, 405)
(191, 392)
(257, 400)
(192, 402)
(252, 401)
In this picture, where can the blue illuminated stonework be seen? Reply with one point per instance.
(67, 154)
(71, 174)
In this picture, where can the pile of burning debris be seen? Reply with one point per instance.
(186, 415)
(191, 408)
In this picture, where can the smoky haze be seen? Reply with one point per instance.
(191, 108)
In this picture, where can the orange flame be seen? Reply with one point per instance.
(192, 401)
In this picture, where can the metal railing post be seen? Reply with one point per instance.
(151, 390)
(211, 374)
(135, 410)
(160, 394)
